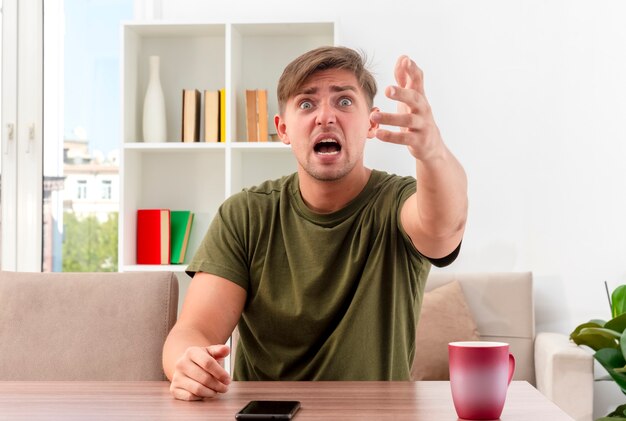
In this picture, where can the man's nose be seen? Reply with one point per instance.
(325, 114)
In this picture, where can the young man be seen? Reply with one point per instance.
(323, 271)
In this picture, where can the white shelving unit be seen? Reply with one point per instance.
(199, 176)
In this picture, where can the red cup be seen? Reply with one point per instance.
(480, 374)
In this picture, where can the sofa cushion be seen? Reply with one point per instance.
(445, 317)
(503, 307)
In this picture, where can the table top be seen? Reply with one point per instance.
(429, 400)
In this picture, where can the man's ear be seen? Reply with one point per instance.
(371, 132)
(281, 129)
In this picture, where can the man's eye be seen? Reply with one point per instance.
(345, 102)
(306, 105)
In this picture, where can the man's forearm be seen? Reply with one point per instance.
(442, 197)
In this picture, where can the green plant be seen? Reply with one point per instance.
(88, 244)
(608, 340)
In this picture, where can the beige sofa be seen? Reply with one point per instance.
(99, 326)
(503, 308)
(85, 326)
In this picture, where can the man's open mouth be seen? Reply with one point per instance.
(327, 147)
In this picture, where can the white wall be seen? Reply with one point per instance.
(531, 97)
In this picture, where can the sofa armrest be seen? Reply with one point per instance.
(564, 373)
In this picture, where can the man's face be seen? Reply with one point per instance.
(326, 123)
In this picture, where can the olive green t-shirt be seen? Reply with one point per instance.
(329, 296)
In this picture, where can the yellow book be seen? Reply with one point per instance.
(262, 114)
(222, 115)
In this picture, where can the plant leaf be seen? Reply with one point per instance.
(595, 342)
(582, 326)
(607, 333)
(622, 346)
(592, 340)
(618, 323)
(612, 358)
(618, 414)
(618, 301)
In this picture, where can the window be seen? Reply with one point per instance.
(1, 139)
(67, 130)
(81, 189)
(106, 189)
(82, 52)
(21, 134)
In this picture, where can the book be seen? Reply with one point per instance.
(256, 115)
(191, 116)
(222, 115)
(180, 229)
(252, 127)
(201, 222)
(153, 236)
(211, 116)
(261, 103)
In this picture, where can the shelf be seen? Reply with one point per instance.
(260, 145)
(302, 29)
(199, 176)
(169, 146)
(174, 146)
(191, 56)
(154, 268)
(176, 30)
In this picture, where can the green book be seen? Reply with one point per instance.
(180, 227)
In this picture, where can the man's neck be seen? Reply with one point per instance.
(330, 196)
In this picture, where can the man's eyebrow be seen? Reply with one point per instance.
(342, 88)
(308, 91)
(334, 88)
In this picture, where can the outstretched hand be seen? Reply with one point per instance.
(418, 130)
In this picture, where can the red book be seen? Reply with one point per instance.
(153, 236)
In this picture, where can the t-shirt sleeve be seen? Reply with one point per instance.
(405, 188)
(223, 251)
(447, 260)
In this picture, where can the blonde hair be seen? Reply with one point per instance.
(319, 59)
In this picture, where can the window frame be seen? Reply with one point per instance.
(22, 139)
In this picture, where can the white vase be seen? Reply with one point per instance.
(154, 123)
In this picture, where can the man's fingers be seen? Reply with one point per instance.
(199, 375)
(190, 390)
(206, 378)
(400, 72)
(403, 120)
(409, 75)
(218, 351)
(183, 395)
(414, 116)
(213, 366)
(399, 138)
(200, 365)
(415, 101)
